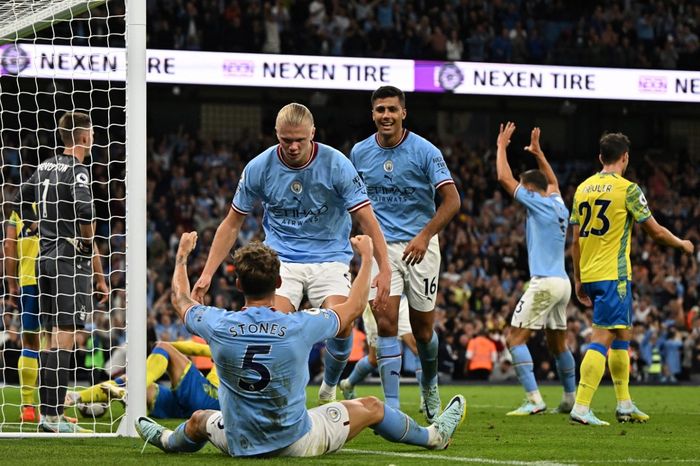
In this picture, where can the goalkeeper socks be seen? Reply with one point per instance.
(389, 363)
(64, 367)
(156, 365)
(179, 442)
(522, 361)
(28, 367)
(592, 370)
(54, 381)
(336, 357)
(619, 364)
(361, 370)
(48, 383)
(566, 369)
(428, 360)
(398, 427)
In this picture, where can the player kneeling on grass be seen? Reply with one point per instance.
(261, 356)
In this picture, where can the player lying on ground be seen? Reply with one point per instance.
(544, 303)
(261, 355)
(189, 390)
(369, 363)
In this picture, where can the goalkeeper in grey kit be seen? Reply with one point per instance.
(61, 188)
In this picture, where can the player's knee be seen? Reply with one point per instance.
(372, 358)
(197, 425)
(30, 340)
(163, 345)
(374, 407)
(387, 327)
(423, 334)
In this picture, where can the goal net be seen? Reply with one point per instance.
(59, 56)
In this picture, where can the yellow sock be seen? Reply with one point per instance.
(94, 394)
(156, 365)
(592, 370)
(619, 364)
(28, 367)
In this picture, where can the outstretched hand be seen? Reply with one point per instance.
(504, 134)
(534, 147)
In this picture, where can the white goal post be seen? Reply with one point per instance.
(30, 106)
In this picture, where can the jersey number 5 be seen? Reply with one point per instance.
(248, 363)
(585, 210)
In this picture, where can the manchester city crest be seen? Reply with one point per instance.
(296, 187)
(333, 414)
(388, 166)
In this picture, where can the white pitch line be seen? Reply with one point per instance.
(456, 459)
(461, 459)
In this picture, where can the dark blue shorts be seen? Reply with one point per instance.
(29, 306)
(193, 392)
(612, 303)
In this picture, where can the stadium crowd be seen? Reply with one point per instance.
(631, 34)
(484, 255)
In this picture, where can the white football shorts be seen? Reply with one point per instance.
(330, 427)
(317, 281)
(418, 282)
(544, 304)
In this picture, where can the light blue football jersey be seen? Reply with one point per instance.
(307, 209)
(401, 182)
(262, 359)
(545, 232)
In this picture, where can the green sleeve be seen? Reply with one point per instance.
(636, 203)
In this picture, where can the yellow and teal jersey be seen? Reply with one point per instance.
(605, 207)
(27, 249)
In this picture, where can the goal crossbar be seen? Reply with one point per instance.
(20, 20)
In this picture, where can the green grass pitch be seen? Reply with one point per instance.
(487, 436)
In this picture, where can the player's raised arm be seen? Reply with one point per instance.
(224, 239)
(542, 163)
(351, 309)
(180, 296)
(370, 226)
(503, 171)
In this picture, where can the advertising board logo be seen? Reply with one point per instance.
(656, 84)
(450, 77)
(13, 59)
(239, 68)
